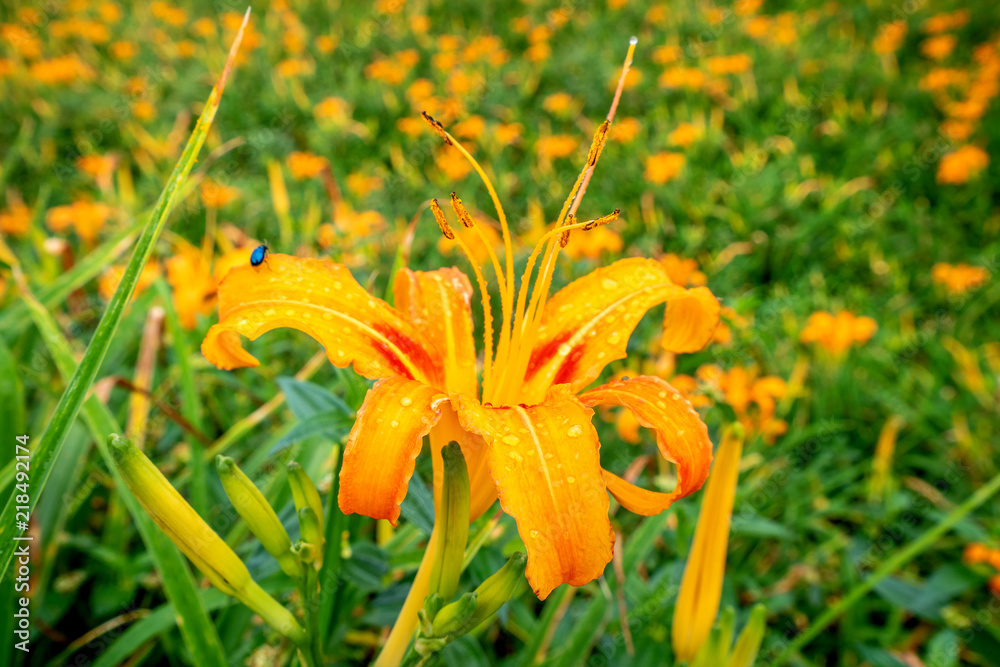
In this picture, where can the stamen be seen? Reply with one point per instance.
(480, 280)
(436, 126)
(442, 222)
(603, 220)
(505, 278)
(524, 334)
(461, 212)
(597, 145)
(564, 237)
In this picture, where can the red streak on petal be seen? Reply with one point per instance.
(542, 355)
(410, 348)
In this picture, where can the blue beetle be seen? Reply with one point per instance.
(258, 256)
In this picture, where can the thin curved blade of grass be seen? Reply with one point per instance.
(889, 566)
(51, 441)
(196, 627)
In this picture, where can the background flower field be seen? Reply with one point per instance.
(827, 169)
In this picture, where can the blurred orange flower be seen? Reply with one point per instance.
(890, 37)
(960, 165)
(306, 165)
(112, 276)
(959, 278)
(86, 217)
(664, 167)
(15, 219)
(216, 195)
(556, 146)
(837, 333)
(938, 48)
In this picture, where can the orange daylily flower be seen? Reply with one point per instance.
(86, 217)
(838, 332)
(959, 278)
(525, 430)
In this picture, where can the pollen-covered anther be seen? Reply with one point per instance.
(437, 127)
(597, 145)
(461, 212)
(564, 237)
(442, 222)
(603, 220)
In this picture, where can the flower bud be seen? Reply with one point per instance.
(453, 522)
(453, 618)
(701, 585)
(185, 528)
(745, 652)
(498, 589)
(260, 517)
(304, 492)
(309, 525)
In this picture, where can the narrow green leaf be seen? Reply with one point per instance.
(586, 631)
(48, 446)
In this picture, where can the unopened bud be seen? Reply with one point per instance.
(304, 492)
(745, 652)
(453, 523)
(498, 589)
(454, 617)
(258, 514)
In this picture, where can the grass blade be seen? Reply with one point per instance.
(50, 443)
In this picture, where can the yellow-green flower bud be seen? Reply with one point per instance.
(453, 523)
(196, 539)
(498, 589)
(745, 652)
(312, 533)
(259, 515)
(454, 617)
(304, 492)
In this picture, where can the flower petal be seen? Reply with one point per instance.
(325, 301)
(681, 436)
(545, 460)
(438, 304)
(383, 445)
(689, 322)
(587, 324)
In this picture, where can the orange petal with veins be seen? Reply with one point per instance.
(681, 437)
(383, 445)
(545, 460)
(438, 304)
(587, 324)
(325, 301)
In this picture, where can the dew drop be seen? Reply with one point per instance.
(574, 431)
(406, 400)
(534, 533)
(571, 479)
(608, 283)
(614, 337)
(509, 440)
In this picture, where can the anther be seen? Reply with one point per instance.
(564, 237)
(442, 222)
(597, 145)
(436, 126)
(603, 220)
(461, 212)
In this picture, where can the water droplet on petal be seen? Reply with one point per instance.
(574, 431)
(406, 400)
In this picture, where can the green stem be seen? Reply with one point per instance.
(312, 648)
(894, 563)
